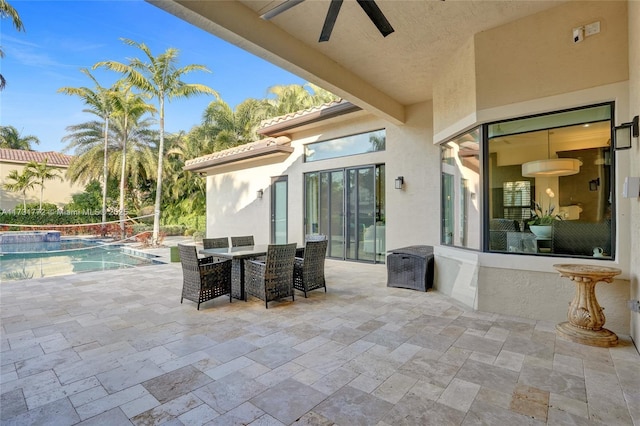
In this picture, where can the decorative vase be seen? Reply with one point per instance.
(541, 231)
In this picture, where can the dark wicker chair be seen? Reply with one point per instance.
(210, 243)
(203, 279)
(242, 241)
(308, 272)
(273, 278)
(307, 238)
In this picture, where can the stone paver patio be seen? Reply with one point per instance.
(117, 347)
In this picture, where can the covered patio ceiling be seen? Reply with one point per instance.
(380, 74)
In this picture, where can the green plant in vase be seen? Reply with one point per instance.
(542, 220)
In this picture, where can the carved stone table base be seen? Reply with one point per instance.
(603, 338)
(586, 317)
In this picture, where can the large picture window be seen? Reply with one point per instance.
(547, 185)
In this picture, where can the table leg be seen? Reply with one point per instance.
(586, 317)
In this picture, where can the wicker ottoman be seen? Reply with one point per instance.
(411, 267)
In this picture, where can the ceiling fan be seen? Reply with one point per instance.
(369, 6)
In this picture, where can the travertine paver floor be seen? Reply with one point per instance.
(117, 347)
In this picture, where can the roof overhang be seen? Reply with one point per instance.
(270, 148)
(305, 119)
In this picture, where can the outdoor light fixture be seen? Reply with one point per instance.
(551, 167)
(594, 184)
(259, 194)
(399, 182)
(624, 133)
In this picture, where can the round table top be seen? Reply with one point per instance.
(593, 271)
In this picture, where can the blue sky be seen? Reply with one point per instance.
(63, 36)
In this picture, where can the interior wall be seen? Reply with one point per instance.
(536, 57)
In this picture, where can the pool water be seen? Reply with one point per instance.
(36, 260)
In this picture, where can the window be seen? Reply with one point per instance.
(345, 146)
(552, 170)
(461, 163)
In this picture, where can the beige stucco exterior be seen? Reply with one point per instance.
(56, 191)
(521, 68)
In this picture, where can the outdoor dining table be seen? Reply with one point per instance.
(238, 255)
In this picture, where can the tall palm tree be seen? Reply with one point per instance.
(41, 173)
(11, 138)
(159, 77)
(99, 102)
(22, 182)
(128, 107)
(138, 155)
(7, 11)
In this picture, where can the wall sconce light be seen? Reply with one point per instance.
(399, 182)
(624, 132)
(594, 184)
(259, 194)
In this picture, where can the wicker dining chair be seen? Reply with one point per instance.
(213, 243)
(210, 243)
(273, 278)
(307, 238)
(308, 272)
(242, 241)
(203, 278)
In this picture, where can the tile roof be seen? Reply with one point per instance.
(275, 120)
(21, 156)
(280, 144)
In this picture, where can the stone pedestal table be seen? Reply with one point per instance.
(586, 317)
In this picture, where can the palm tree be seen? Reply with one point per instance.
(100, 103)
(228, 128)
(41, 173)
(128, 107)
(7, 11)
(11, 138)
(162, 79)
(138, 155)
(22, 182)
(294, 97)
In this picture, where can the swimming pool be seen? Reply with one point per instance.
(20, 261)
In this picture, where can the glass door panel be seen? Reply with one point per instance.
(361, 213)
(335, 216)
(279, 210)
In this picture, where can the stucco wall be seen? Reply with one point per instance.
(529, 59)
(55, 191)
(454, 90)
(536, 57)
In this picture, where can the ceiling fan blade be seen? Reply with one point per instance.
(377, 17)
(330, 20)
(282, 7)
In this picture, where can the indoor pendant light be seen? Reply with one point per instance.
(551, 167)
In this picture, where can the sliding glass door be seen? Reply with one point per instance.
(347, 205)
